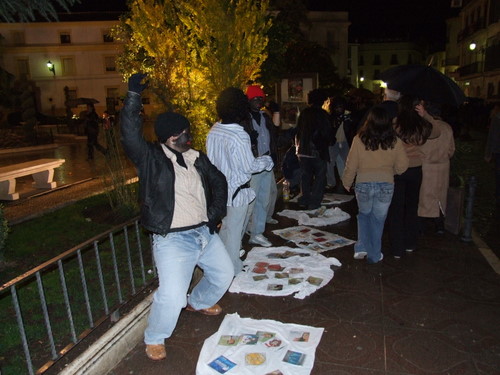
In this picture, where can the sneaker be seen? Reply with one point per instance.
(156, 352)
(271, 220)
(397, 256)
(259, 239)
(410, 250)
(381, 257)
(242, 252)
(360, 255)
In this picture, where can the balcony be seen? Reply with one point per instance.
(467, 70)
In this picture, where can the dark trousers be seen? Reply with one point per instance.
(313, 181)
(92, 143)
(403, 216)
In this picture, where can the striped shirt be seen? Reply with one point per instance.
(228, 148)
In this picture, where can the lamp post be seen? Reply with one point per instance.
(51, 67)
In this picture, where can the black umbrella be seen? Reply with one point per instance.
(81, 101)
(424, 82)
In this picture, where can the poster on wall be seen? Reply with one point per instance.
(293, 96)
(296, 90)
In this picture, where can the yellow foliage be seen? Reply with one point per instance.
(192, 50)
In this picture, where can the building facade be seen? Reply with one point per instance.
(79, 56)
(478, 43)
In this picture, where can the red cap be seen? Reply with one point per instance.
(253, 91)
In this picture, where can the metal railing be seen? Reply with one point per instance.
(50, 309)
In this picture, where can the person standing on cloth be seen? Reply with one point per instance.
(183, 197)
(263, 129)
(311, 141)
(229, 149)
(376, 155)
(435, 166)
(92, 130)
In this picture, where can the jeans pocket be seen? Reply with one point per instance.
(362, 192)
(385, 193)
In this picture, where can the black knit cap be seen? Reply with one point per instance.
(168, 124)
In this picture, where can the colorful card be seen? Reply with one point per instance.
(221, 364)
(228, 340)
(299, 336)
(295, 280)
(255, 359)
(260, 277)
(265, 336)
(275, 287)
(314, 280)
(294, 358)
(249, 339)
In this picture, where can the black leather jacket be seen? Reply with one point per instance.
(156, 174)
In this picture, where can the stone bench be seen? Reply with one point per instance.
(42, 171)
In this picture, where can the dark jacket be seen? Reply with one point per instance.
(314, 133)
(156, 174)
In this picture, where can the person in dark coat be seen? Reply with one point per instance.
(311, 141)
(92, 131)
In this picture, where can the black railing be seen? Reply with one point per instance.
(47, 311)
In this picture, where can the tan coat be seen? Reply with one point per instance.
(436, 170)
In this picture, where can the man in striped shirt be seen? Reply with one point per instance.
(229, 149)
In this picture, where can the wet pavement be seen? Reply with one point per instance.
(435, 311)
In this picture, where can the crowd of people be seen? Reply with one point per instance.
(394, 156)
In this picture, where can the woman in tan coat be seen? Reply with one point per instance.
(435, 167)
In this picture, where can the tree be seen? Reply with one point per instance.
(26, 10)
(191, 50)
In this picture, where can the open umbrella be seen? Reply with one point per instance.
(81, 101)
(425, 82)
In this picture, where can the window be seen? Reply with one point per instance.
(109, 64)
(361, 60)
(376, 60)
(65, 38)
(107, 37)
(17, 37)
(23, 68)
(394, 59)
(68, 66)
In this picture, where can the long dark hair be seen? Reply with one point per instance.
(377, 131)
(410, 126)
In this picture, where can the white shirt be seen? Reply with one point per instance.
(229, 149)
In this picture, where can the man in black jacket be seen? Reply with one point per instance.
(183, 197)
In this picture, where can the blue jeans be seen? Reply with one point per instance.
(261, 184)
(232, 231)
(374, 199)
(176, 256)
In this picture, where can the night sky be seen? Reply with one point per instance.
(415, 20)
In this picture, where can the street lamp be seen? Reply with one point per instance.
(472, 46)
(51, 67)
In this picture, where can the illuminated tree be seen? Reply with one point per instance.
(193, 49)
